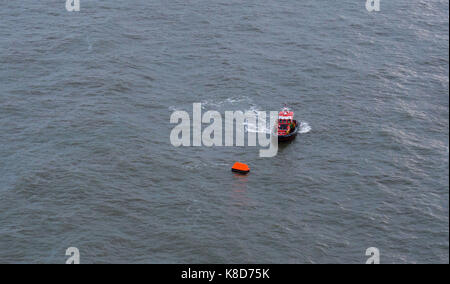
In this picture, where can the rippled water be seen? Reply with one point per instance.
(85, 157)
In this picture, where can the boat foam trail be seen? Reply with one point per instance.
(304, 127)
(253, 127)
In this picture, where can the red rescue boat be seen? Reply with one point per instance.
(287, 126)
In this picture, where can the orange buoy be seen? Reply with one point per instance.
(240, 168)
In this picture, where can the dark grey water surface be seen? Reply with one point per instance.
(86, 161)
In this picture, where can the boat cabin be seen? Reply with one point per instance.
(285, 118)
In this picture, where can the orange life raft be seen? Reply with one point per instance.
(240, 168)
